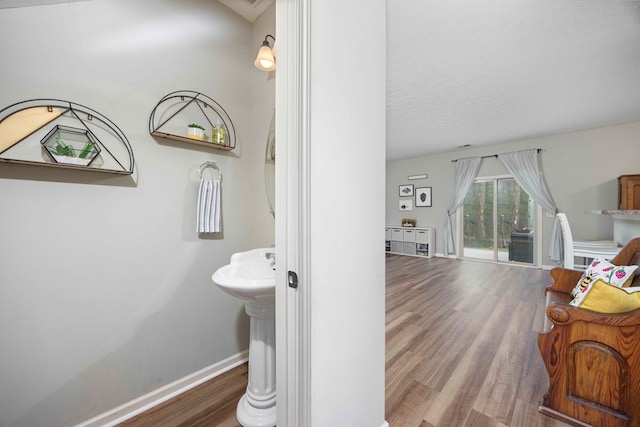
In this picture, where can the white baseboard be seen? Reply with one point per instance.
(441, 255)
(385, 424)
(137, 406)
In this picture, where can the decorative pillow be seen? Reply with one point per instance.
(603, 270)
(606, 298)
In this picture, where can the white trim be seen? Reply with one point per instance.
(385, 424)
(143, 403)
(441, 255)
(493, 177)
(544, 266)
(305, 305)
(292, 94)
(538, 241)
(414, 177)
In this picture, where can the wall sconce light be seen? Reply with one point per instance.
(266, 60)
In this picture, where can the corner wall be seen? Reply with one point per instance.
(105, 287)
(263, 101)
(345, 288)
(581, 169)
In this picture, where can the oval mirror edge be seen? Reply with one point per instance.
(270, 165)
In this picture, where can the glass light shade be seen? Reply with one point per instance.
(265, 60)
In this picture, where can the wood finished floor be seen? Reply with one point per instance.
(461, 351)
(212, 403)
(462, 344)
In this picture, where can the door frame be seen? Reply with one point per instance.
(305, 342)
(291, 221)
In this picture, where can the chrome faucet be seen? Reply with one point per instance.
(272, 257)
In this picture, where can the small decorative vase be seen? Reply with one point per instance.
(217, 135)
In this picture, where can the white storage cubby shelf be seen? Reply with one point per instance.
(409, 241)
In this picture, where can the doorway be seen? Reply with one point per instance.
(497, 222)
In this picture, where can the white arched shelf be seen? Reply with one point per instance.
(63, 134)
(173, 114)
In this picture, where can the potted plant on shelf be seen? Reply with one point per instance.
(62, 145)
(195, 131)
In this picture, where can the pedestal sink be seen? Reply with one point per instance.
(250, 276)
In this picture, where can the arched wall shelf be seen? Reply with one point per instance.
(176, 110)
(63, 134)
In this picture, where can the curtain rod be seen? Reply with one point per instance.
(492, 155)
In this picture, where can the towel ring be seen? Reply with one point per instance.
(207, 165)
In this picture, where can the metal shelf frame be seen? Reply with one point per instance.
(168, 109)
(25, 121)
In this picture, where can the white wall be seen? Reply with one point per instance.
(105, 288)
(581, 169)
(346, 219)
(263, 101)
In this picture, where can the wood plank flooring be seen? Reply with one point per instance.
(461, 351)
(462, 344)
(212, 403)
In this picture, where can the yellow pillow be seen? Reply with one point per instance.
(619, 275)
(606, 298)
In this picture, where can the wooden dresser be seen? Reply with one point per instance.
(629, 192)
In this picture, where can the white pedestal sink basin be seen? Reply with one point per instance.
(251, 276)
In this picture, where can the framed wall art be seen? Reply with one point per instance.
(406, 205)
(406, 190)
(423, 197)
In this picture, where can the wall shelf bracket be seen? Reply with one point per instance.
(63, 134)
(173, 114)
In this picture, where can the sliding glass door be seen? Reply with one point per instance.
(498, 218)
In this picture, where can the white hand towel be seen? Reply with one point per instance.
(200, 207)
(215, 207)
(208, 208)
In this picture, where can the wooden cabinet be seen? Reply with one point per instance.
(410, 241)
(629, 192)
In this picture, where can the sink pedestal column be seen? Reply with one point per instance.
(257, 407)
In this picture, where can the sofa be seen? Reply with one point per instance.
(592, 358)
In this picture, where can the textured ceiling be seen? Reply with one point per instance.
(484, 72)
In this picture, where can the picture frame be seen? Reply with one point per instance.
(423, 197)
(406, 190)
(405, 204)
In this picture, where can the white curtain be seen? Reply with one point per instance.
(466, 171)
(524, 166)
